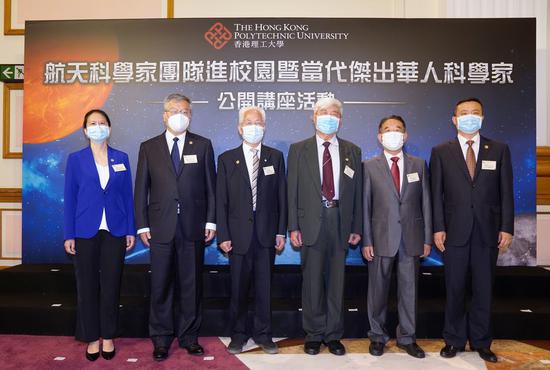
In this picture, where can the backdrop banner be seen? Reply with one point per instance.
(415, 68)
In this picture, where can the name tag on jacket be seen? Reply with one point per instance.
(119, 167)
(489, 165)
(413, 177)
(349, 172)
(192, 158)
(269, 170)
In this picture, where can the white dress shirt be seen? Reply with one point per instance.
(400, 165)
(181, 142)
(170, 141)
(335, 157)
(464, 146)
(248, 158)
(103, 172)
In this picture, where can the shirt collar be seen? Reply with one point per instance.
(389, 156)
(170, 137)
(246, 148)
(333, 141)
(462, 140)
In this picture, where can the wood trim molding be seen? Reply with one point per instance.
(10, 195)
(7, 21)
(6, 151)
(543, 175)
(170, 8)
(1, 247)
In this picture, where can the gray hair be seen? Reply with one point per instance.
(175, 97)
(243, 111)
(324, 103)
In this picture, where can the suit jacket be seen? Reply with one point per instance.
(84, 199)
(304, 190)
(389, 217)
(159, 188)
(234, 215)
(457, 200)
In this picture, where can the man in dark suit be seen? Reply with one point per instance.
(251, 215)
(175, 215)
(473, 218)
(324, 216)
(397, 227)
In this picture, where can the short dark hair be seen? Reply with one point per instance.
(393, 116)
(89, 113)
(468, 100)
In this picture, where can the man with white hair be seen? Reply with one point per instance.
(251, 216)
(324, 216)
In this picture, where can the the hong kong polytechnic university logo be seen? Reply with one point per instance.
(218, 35)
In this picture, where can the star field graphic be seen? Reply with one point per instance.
(136, 109)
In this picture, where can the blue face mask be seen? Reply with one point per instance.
(469, 123)
(98, 133)
(327, 124)
(253, 134)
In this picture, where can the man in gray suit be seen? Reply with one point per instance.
(397, 226)
(324, 216)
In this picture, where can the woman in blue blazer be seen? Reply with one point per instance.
(99, 229)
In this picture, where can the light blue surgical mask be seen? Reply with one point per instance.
(469, 123)
(327, 124)
(98, 133)
(253, 134)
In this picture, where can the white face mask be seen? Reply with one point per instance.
(178, 123)
(253, 134)
(393, 140)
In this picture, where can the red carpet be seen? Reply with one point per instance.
(38, 352)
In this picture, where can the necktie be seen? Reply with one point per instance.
(175, 154)
(328, 179)
(395, 173)
(471, 159)
(254, 178)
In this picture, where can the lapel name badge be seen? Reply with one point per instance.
(192, 158)
(413, 177)
(119, 167)
(269, 170)
(489, 165)
(349, 172)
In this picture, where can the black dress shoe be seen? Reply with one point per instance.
(235, 347)
(160, 353)
(108, 355)
(412, 349)
(269, 347)
(336, 347)
(194, 349)
(376, 348)
(92, 356)
(450, 351)
(312, 348)
(486, 354)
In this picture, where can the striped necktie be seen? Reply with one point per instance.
(254, 178)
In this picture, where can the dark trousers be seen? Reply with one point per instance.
(176, 290)
(253, 267)
(323, 268)
(98, 264)
(480, 260)
(380, 271)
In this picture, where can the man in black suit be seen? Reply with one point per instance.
(473, 218)
(251, 215)
(175, 215)
(325, 215)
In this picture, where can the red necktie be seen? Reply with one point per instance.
(395, 173)
(328, 179)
